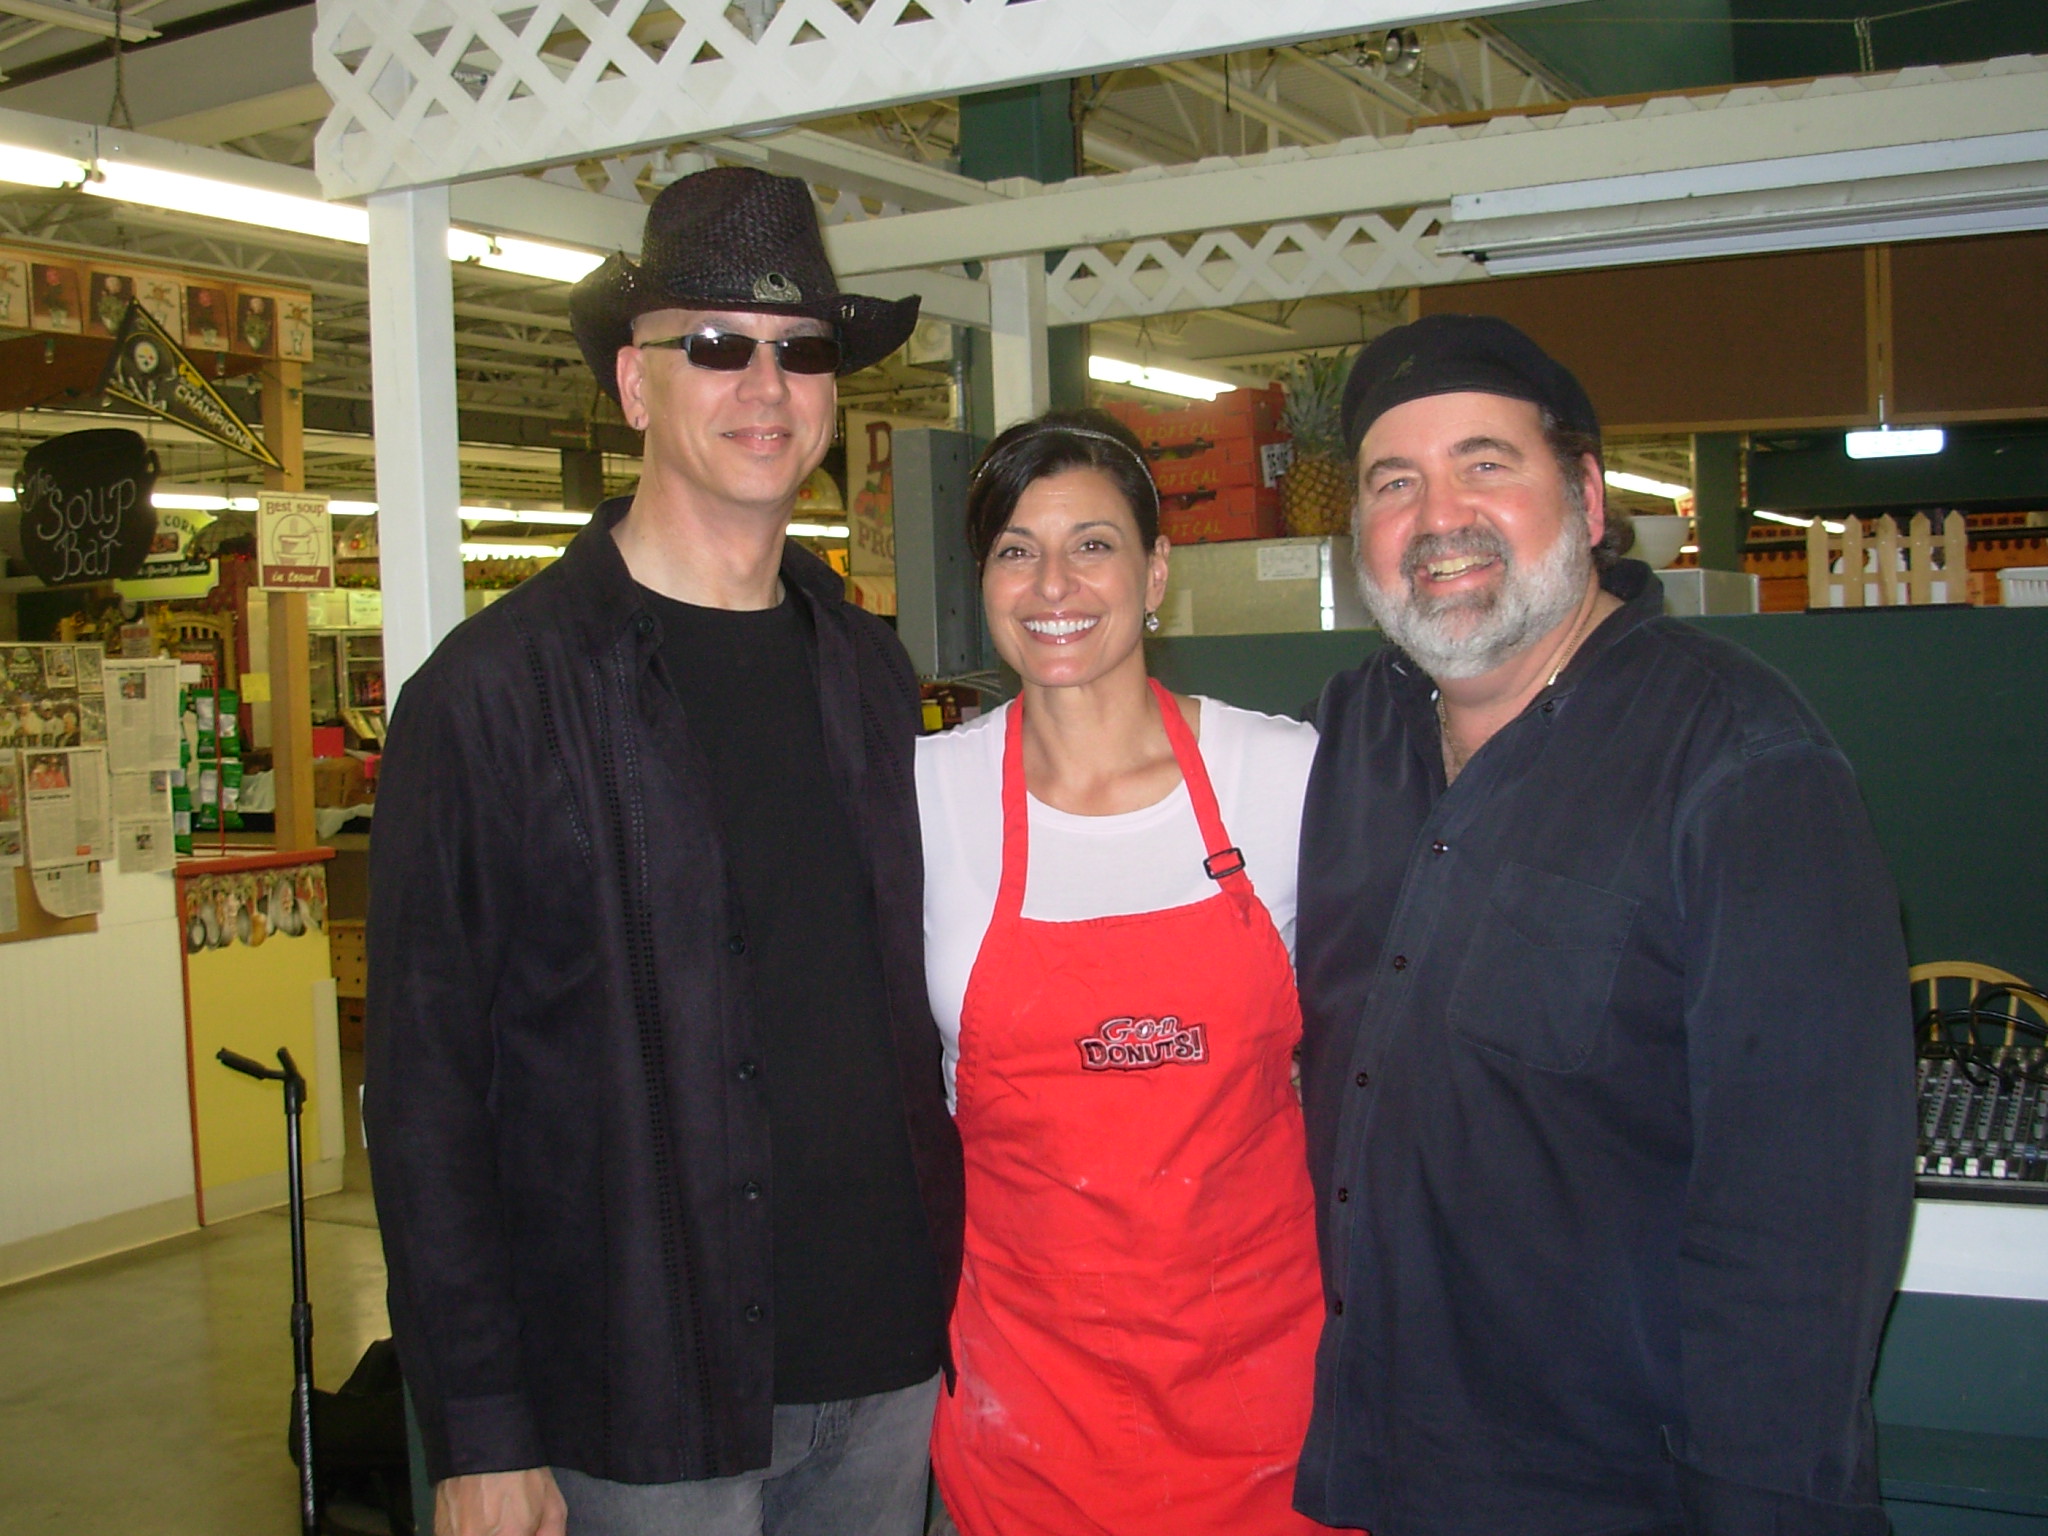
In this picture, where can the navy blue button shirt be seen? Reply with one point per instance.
(1608, 1073)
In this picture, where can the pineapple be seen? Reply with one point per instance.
(1317, 490)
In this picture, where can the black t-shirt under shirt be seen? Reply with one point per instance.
(857, 1306)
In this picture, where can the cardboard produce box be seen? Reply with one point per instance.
(1240, 413)
(1210, 466)
(1214, 517)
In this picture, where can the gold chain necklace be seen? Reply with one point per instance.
(1455, 756)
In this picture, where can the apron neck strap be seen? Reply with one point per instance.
(1224, 864)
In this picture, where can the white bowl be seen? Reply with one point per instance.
(1659, 539)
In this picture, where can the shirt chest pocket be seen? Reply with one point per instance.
(1536, 975)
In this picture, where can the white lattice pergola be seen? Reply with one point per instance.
(429, 91)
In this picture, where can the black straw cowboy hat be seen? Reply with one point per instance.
(731, 238)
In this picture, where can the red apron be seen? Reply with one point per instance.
(1137, 1318)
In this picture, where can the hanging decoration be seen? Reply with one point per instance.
(85, 509)
(149, 369)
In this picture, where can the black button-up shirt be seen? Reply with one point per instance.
(569, 1080)
(1609, 1085)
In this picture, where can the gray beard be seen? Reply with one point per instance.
(1469, 634)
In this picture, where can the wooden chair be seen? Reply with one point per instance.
(1955, 985)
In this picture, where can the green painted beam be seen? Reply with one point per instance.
(1027, 130)
(1720, 516)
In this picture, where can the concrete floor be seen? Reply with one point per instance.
(149, 1392)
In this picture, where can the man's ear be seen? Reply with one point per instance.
(632, 375)
(1594, 488)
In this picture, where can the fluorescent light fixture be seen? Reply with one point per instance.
(820, 530)
(1643, 485)
(211, 197)
(517, 515)
(33, 168)
(528, 258)
(482, 551)
(123, 182)
(1113, 370)
(1884, 443)
(1792, 522)
(1988, 184)
(197, 501)
(352, 508)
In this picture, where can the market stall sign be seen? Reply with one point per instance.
(294, 542)
(148, 369)
(85, 507)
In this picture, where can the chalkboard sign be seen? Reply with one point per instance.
(85, 509)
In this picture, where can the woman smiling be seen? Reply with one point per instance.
(1138, 1311)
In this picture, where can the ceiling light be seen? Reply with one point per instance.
(352, 508)
(1112, 370)
(528, 258)
(123, 182)
(1643, 485)
(33, 168)
(1794, 522)
(819, 530)
(1884, 443)
(1988, 184)
(126, 181)
(482, 551)
(200, 501)
(517, 515)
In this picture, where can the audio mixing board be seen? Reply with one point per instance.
(1984, 1123)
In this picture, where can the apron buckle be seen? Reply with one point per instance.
(1221, 866)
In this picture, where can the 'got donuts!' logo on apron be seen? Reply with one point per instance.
(1136, 1045)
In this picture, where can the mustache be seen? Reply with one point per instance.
(1427, 548)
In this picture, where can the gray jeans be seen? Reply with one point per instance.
(854, 1468)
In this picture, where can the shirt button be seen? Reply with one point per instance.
(737, 944)
(643, 625)
(1343, 1195)
(1439, 847)
(1362, 1079)
(1550, 706)
(745, 1071)
(1400, 962)
(751, 1190)
(753, 1312)
(1337, 1306)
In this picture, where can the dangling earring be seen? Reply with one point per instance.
(1151, 621)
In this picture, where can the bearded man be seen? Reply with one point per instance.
(1607, 1052)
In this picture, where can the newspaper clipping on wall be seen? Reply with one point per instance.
(142, 715)
(142, 822)
(11, 855)
(66, 799)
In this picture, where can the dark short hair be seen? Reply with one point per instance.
(1050, 445)
(1571, 447)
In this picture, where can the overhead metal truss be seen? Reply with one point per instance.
(434, 91)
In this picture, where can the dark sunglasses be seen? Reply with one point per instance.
(730, 352)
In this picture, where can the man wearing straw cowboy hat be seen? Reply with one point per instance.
(670, 1197)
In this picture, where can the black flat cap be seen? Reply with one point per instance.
(1459, 354)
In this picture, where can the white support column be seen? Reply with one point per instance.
(412, 375)
(1017, 350)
